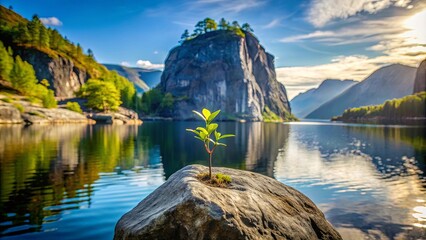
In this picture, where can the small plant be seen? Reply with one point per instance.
(74, 106)
(19, 107)
(203, 134)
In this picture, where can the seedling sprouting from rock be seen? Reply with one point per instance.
(203, 134)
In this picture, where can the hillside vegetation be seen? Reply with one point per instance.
(19, 33)
(396, 110)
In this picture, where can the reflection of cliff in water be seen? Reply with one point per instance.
(254, 148)
(41, 166)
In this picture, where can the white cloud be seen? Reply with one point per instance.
(124, 63)
(148, 65)
(313, 35)
(223, 6)
(51, 21)
(323, 11)
(272, 24)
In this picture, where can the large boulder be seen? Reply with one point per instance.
(221, 70)
(252, 207)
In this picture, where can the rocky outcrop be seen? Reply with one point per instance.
(252, 207)
(26, 113)
(122, 116)
(64, 77)
(420, 81)
(9, 114)
(220, 70)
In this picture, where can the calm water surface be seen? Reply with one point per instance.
(75, 182)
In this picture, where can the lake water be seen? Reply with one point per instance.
(75, 181)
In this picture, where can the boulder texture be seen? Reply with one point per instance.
(420, 81)
(252, 207)
(221, 70)
(64, 77)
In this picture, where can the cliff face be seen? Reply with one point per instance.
(220, 70)
(63, 76)
(420, 81)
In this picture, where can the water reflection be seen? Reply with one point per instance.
(76, 181)
(368, 181)
(47, 171)
(254, 148)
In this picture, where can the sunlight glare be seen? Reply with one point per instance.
(415, 24)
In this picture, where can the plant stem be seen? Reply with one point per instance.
(210, 165)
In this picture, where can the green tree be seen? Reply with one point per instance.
(23, 76)
(209, 25)
(235, 24)
(100, 95)
(44, 40)
(246, 27)
(48, 99)
(200, 28)
(6, 62)
(223, 24)
(23, 34)
(34, 29)
(185, 36)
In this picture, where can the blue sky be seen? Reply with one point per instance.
(311, 39)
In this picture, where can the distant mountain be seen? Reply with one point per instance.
(306, 102)
(394, 81)
(143, 79)
(420, 82)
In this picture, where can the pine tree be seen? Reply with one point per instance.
(34, 30)
(223, 24)
(246, 27)
(23, 76)
(44, 40)
(185, 36)
(6, 62)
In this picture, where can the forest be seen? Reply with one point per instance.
(411, 106)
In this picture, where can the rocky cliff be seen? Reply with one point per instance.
(221, 70)
(420, 81)
(64, 77)
(252, 207)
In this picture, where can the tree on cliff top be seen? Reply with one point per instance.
(208, 25)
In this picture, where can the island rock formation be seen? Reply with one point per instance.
(221, 70)
(252, 207)
(420, 81)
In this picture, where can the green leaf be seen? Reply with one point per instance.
(212, 127)
(227, 136)
(206, 113)
(216, 135)
(203, 136)
(199, 138)
(212, 116)
(221, 144)
(192, 130)
(201, 129)
(200, 115)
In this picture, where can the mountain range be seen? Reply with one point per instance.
(389, 82)
(306, 102)
(143, 79)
